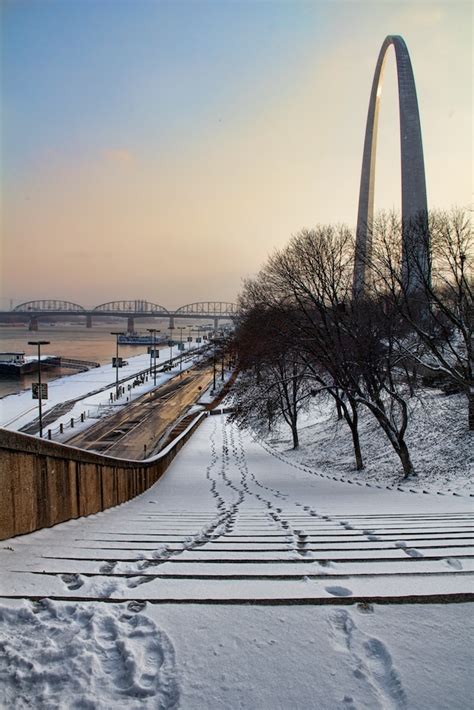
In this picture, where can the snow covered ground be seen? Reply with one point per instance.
(92, 388)
(241, 581)
(441, 447)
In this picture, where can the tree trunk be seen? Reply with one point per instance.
(470, 400)
(353, 423)
(338, 409)
(398, 443)
(404, 455)
(356, 445)
(294, 432)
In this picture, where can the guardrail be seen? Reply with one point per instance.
(44, 483)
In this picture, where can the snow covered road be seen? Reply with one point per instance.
(236, 555)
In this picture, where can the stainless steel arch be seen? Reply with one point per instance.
(46, 304)
(209, 308)
(414, 202)
(137, 306)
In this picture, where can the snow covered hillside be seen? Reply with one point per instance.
(441, 447)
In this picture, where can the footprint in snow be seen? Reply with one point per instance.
(136, 605)
(379, 661)
(411, 552)
(401, 543)
(72, 581)
(107, 567)
(339, 591)
(454, 563)
(371, 662)
(138, 581)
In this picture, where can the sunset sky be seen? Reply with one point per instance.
(162, 149)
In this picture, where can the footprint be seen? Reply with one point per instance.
(380, 664)
(401, 543)
(339, 591)
(72, 581)
(371, 662)
(107, 567)
(454, 563)
(138, 581)
(411, 552)
(136, 605)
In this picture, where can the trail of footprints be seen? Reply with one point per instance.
(257, 521)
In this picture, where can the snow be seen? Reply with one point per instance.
(84, 656)
(206, 657)
(441, 447)
(240, 580)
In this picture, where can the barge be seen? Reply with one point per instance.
(15, 364)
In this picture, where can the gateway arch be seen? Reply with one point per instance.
(415, 256)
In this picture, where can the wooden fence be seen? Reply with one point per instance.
(43, 483)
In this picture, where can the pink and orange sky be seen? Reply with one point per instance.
(161, 150)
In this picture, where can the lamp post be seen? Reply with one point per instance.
(153, 331)
(39, 343)
(214, 367)
(170, 343)
(116, 333)
(181, 328)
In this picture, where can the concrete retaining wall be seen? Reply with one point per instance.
(43, 483)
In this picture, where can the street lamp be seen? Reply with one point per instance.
(153, 331)
(170, 343)
(214, 366)
(181, 328)
(39, 343)
(116, 333)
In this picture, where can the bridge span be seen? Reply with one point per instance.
(33, 311)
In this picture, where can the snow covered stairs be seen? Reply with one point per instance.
(256, 555)
(231, 524)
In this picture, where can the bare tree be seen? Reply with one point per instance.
(273, 384)
(439, 314)
(355, 344)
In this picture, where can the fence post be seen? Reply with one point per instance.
(82, 416)
(49, 434)
(72, 422)
(61, 428)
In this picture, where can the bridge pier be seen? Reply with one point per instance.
(216, 323)
(171, 323)
(33, 325)
(130, 324)
(89, 321)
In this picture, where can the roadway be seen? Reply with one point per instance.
(138, 429)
